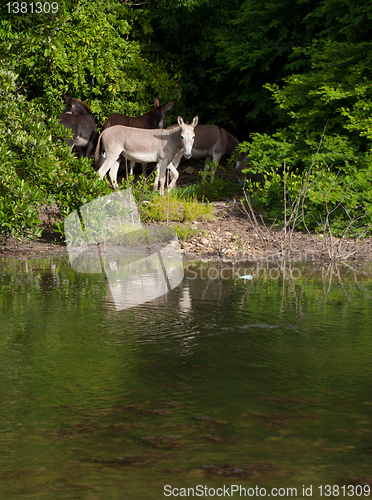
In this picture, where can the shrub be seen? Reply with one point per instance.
(37, 167)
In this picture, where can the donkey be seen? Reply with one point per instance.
(213, 141)
(77, 117)
(156, 118)
(141, 145)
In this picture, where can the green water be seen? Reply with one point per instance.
(221, 382)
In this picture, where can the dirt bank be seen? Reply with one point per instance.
(229, 236)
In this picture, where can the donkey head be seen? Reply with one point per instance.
(157, 116)
(187, 135)
(75, 106)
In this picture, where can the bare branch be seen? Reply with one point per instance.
(256, 226)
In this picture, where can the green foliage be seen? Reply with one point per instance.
(253, 48)
(216, 190)
(186, 231)
(222, 59)
(210, 187)
(142, 189)
(86, 50)
(184, 38)
(328, 126)
(323, 195)
(37, 167)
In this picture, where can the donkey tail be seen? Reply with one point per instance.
(98, 155)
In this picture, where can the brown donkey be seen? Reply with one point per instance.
(77, 117)
(155, 118)
(212, 141)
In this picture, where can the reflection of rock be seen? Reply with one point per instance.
(180, 387)
(158, 411)
(360, 481)
(210, 437)
(239, 471)
(185, 303)
(279, 419)
(136, 461)
(164, 442)
(173, 470)
(212, 420)
(22, 473)
(171, 404)
(120, 427)
(195, 473)
(292, 400)
(88, 428)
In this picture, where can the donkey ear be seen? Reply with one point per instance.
(67, 98)
(195, 121)
(180, 121)
(168, 106)
(156, 102)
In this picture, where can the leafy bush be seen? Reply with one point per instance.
(37, 167)
(186, 231)
(322, 195)
(329, 131)
(210, 187)
(90, 51)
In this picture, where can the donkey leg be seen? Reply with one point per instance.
(107, 164)
(144, 169)
(132, 164)
(92, 143)
(156, 181)
(173, 168)
(90, 148)
(80, 145)
(177, 159)
(162, 172)
(162, 184)
(114, 172)
(175, 175)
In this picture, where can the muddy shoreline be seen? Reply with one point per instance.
(230, 236)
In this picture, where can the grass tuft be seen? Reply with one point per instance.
(180, 208)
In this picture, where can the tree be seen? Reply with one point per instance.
(328, 103)
(87, 50)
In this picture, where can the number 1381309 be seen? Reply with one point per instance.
(32, 7)
(349, 490)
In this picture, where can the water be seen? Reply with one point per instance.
(222, 382)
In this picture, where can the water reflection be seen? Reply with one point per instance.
(266, 381)
(211, 276)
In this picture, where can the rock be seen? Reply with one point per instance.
(196, 473)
